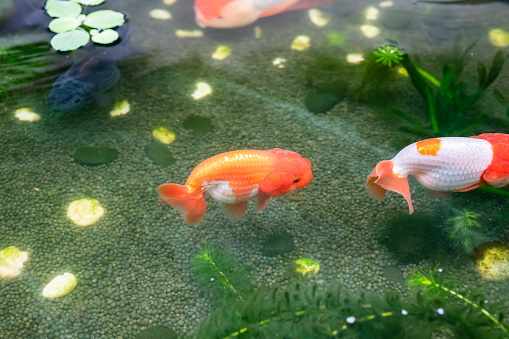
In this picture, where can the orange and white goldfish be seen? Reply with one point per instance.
(235, 177)
(238, 13)
(444, 165)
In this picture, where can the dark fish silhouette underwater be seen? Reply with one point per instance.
(90, 77)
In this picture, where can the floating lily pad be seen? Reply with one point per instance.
(159, 154)
(69, 41)
(60, 9)
(89, 2)
(157, 332)
(198, 124)
(60, 25)
(105, 37)
(94, 156)
(104, 19)
(277, 244)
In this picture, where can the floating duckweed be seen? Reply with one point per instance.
(222, 52)
(335, 39)
(104, 37)
(370, 31)
(68, 41)
(169, 2)
(85, 212)
(164, 135)
(306, 268)
(95, 156)
(121, 108)
(160, 14)
(371, 13)
(279, 62)
(198, 124)
(403, 71)
(59, 9)
(301, 43)
(385, 4)
(105, 18)
(257, 32)
(499, 37)
(181, 33)
(59, 286)
(26, 114)
(11, 262)
(354, 58)
(492, 260)
(318, 17)
(202, 89)
(159, 154)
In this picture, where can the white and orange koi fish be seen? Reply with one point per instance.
(238, 13)
(235, 177)
(444, 165)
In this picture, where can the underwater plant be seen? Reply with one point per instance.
(448, 103)
(462, 229)
(75, 30)
(315, 311)
(388, 55)
(219, 272)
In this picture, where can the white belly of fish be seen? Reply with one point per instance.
(459, 163)
(222, 192)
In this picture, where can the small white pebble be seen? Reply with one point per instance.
(350, 320)
(404, 312)
(440, 270)
(440, 311)
(211, 279)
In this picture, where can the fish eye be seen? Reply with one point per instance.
(296, 180)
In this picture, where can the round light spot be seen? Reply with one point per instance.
(164, 135)
(279, 62)
(301, 43)
(222, 52)
(60, 285)
(318, 17)
(350, 320)
(371, 13)
(181, 33)
(499, 37)
(11, 262)
(404, 312)
(160, 14)
(121, 108)
(385, 4)
(169, 2)
(84, 212)
(370, 31)
(202, 89)
(26, 114)
(440, 311)
(354, 58)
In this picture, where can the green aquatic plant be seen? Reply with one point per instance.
(463, 229)
(316, 311)
(219, 272)
(448, 101)
(75, 30)
(306, 268)
(388, 55)
(474, 308)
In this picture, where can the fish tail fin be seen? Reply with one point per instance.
(383, 179)
(191, 205)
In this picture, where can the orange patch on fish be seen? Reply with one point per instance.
(429, 146)
(211, 9)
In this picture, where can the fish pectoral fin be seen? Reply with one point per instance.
(102, 99)
(471, 187)
(235, 211)
(276, 180)
(437, 194)
(262, 201)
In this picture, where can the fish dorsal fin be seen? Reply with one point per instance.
(235, 211)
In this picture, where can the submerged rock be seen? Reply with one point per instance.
(492, 260)
(95, 156)
(277, 244)
(159, 154)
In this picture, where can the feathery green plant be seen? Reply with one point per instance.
(315, 311)
(221, 274)
(462, 228)
(388, 55)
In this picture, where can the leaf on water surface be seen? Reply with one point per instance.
(89, 2)
(59, 9)
(104, 19)
(60, 25)
(105, 37)
(69, 41)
